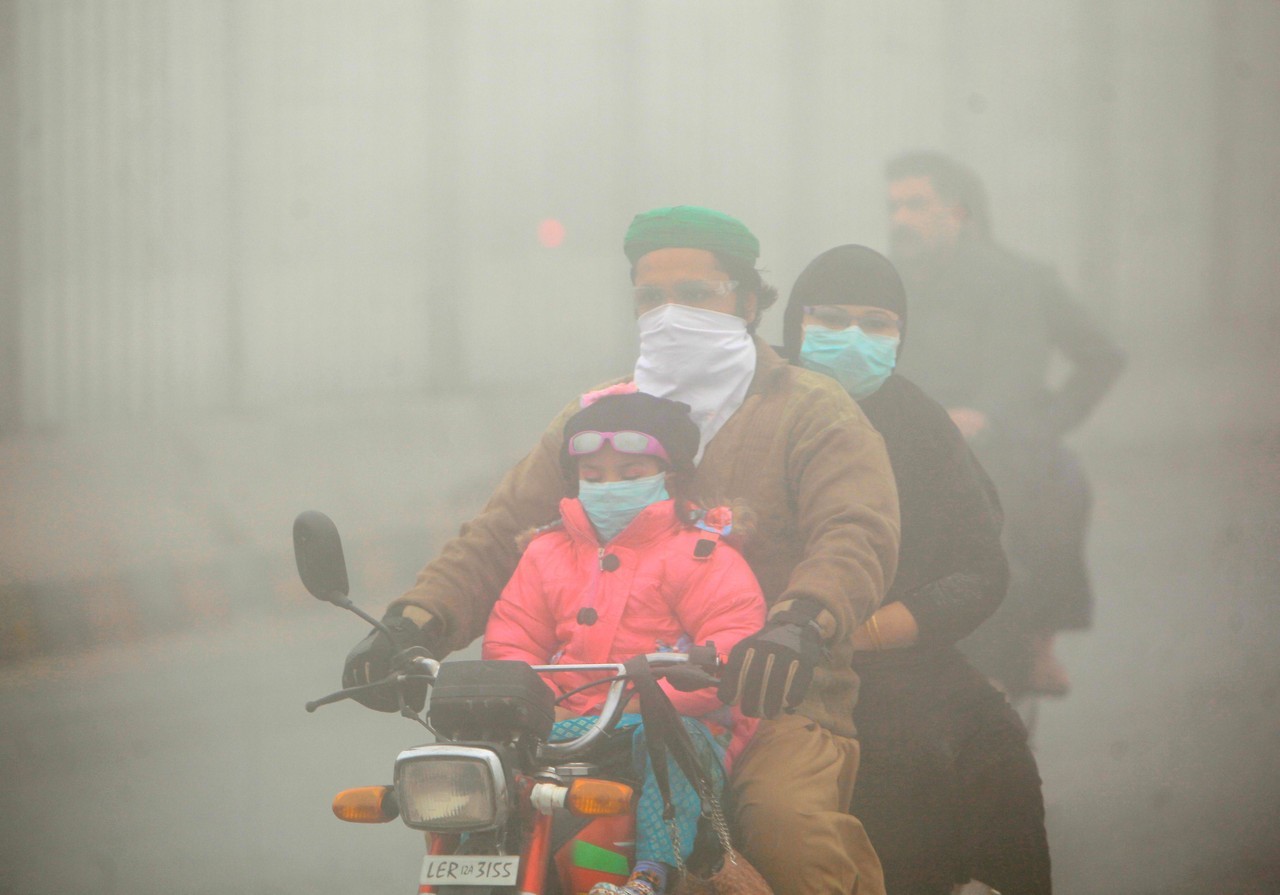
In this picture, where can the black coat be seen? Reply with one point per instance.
(948, 789)
(952, 571)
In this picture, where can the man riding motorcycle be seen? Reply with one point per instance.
(794, 447)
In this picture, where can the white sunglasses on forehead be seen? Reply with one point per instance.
(626, 441)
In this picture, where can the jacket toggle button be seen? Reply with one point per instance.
(610, 562)
(587, 616)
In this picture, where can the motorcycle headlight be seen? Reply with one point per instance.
(451, 789)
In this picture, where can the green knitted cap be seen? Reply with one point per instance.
(690, 227)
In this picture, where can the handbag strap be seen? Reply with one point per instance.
(664, 731)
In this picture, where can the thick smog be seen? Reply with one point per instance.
(917, 357)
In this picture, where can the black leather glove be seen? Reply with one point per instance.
(771, 669)
(370, 661)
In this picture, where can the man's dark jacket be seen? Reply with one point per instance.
(984, 332)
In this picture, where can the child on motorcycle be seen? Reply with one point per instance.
(625, 571)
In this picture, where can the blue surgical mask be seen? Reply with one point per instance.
(859, 362)
(612, 505)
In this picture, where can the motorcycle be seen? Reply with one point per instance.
(506, 808)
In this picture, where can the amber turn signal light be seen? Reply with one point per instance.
(366, 805)
(592, 797)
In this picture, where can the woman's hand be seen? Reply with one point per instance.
(892, 627)
(970, 422)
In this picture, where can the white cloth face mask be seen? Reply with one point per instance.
(704, 358)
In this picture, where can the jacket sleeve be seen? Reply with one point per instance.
(722, 604)
(846, 508)
(1096, 361)
(1013, 353)
(967, 546)
(521, 626)
(1030, 316)
(460, 586)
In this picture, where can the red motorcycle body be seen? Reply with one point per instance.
(602, 852)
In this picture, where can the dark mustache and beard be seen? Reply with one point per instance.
(918, 260)
(906, 244)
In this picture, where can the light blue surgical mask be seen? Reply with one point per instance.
(859, 362)
(612, 505)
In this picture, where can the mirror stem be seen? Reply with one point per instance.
(340, 600)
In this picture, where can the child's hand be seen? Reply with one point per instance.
(564, 714)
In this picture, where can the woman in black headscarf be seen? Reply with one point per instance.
(948, 788)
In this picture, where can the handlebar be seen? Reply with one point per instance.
(697, 663)
(614, 703)
(605, 721)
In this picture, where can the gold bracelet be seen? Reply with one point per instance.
(873, 628)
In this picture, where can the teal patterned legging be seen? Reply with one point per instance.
(653, 841)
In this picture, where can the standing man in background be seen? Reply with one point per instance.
(985, 323)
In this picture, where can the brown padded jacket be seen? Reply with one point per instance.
(798, 451)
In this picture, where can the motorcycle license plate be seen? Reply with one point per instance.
(469, 870)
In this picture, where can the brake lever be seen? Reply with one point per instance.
(699, 672)
(345, 693)
(704, 656)
(348, 692)
(687, 678)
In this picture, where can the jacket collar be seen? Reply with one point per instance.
(653, 522)
(771, 368)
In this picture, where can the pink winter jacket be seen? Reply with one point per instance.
(658, 595)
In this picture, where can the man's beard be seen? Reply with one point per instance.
(916, 259)
(906, 245)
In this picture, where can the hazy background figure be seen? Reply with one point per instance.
(257, 257)
(988, 324)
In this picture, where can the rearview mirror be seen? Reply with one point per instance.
(318, 551)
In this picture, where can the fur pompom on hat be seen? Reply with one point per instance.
(627, 387)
